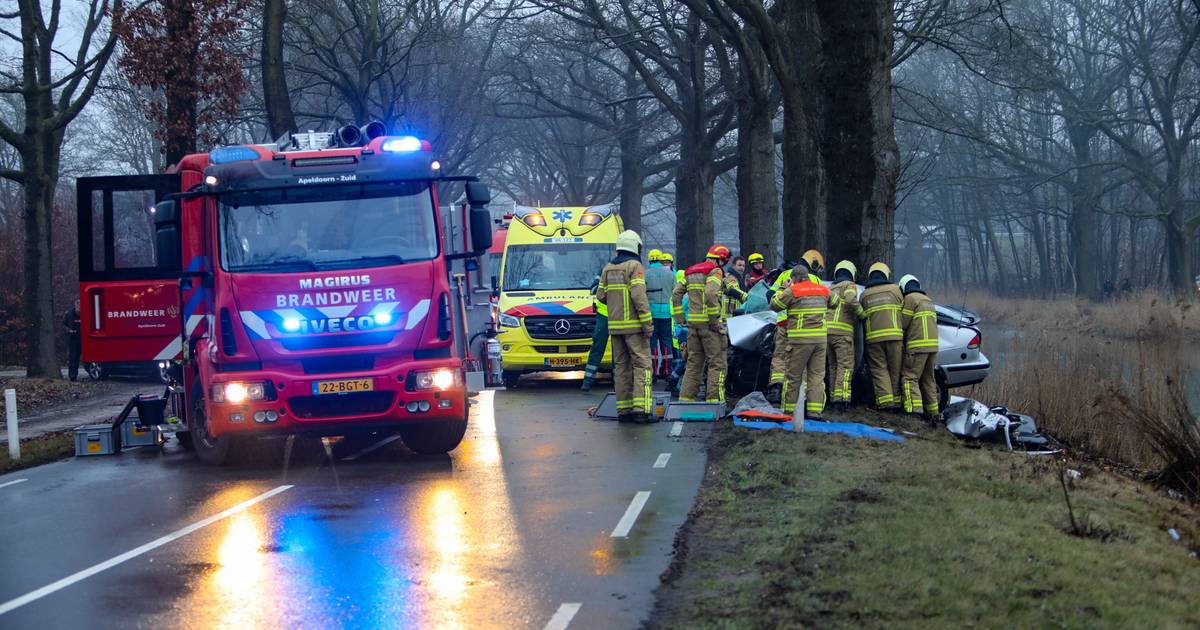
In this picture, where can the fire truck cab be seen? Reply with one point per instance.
(294, 289)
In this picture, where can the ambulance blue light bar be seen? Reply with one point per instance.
(237, 153)
(403, 144)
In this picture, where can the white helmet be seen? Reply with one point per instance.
(629, 241)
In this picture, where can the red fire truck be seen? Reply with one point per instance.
(293, 289)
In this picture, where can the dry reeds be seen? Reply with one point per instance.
(1143, 315)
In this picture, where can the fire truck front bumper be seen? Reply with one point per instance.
(332, 403)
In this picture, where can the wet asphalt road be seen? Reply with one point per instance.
(509, 530)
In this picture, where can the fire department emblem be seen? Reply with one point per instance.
(562, 326)
(173, 311)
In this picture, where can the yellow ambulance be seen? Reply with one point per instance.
(552, 259)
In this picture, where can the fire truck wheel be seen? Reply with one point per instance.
(185, 440)
(213, 451)
(434, 438)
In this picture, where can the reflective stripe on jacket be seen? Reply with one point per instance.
(623, 290)
(805, 303)
(702, 286)
(881, 306)
(844, 309)
(732, 296)
(918, 318)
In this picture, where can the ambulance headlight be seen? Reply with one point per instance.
(291, 324)
(236, 392)
(403, 144)
(383, 319)
(590, 218)
(509, 321)
(440, 379)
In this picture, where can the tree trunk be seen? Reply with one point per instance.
(804, 175)
(41, 157)
(632, 180)
(276, 98)
(693, 199)
(182, 93)
(758, 200)
(1085, 250)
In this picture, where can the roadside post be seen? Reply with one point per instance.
(14, 440)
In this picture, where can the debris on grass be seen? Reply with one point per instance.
(36, 394)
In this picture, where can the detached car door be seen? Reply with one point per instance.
(128, 304)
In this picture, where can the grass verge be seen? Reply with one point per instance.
(40, 450)
(816, 530)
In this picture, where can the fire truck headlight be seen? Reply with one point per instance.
(238, 392)
(443, 379)
(210, 180)
(440, 379)
(509, 321)
(291, 324)
(436, 165)
(403, 144)
(383, 319)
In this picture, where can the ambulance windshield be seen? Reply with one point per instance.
(554, 267)
(328, 227)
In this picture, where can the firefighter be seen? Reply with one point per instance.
(806, 302)
(758, 269)
(599, 341)
(815, 262)
(653, 256)
(622, 289)
(660, 283)
(918, 319)
(703, 285)
(733, 287)
(881, 302)
(667, 260)
(843, 314)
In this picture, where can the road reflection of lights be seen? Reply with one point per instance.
(445, 531)
(601, 554)
(483, 447)
(236, 582)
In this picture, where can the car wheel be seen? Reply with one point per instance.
(211, 450)
(434, 438)
(96, 371)
(510, 379)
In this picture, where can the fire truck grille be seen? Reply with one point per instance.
(338, 341)
(335, 365)
(356, 404)
(561, 327)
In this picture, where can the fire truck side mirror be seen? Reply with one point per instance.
(166, 236)
(478, 196)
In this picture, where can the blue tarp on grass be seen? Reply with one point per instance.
(852, 429)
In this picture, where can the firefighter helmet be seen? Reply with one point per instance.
(882, 268)
(666, 257)
(720, 252)
(814, 260)
(848, 266)
(654, 255)
(907, 279)
(629, 241)
(755, 258)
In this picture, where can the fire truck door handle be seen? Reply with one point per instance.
(96, 309)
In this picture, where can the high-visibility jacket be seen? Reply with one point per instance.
(844, 309)
(660, 283)
(805, 303)
(702, 286)
(622, 289)
(881, 306)
(732, 296)
(780, 284)
(597, 305)
(918, 318)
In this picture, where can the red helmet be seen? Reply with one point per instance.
(720, 252)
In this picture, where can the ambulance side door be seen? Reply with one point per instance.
(128, 304)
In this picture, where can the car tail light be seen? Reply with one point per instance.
(975, 341)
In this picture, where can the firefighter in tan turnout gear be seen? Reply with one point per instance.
(881, 302)
(703, 283)
(918, 318)
(622, 289)
(779, 356)
(805, 301)
(843, 314)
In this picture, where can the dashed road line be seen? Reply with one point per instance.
(54, 587)
(563, 616)
(372, 448)
(631, 514)
(677, 429)
(662, 460)
(12, 483)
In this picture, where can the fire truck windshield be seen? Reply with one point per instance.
(328, 227)
(554, 267)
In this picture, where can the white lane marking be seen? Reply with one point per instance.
(12, 483)
(562, 617)
(378, 445)
(662, 460)
(631, 514)
(53, 587)
(676, 429)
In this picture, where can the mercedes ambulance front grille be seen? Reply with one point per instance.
(336, 405)
(561, 326)
(561, 349)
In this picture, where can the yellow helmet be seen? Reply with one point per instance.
(654, 255)
(848, 266)
(666, 257)
(814, 260)
(887, 271)
(755, 258)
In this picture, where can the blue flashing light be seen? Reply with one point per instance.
(237, 153)
(291, 324)
(383, 319)
(403, 144)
